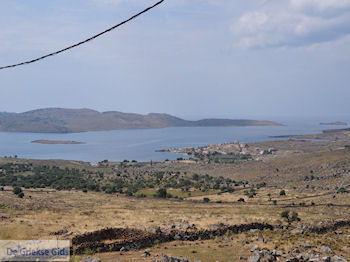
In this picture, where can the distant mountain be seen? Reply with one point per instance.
(59, 120)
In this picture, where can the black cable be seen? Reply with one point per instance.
(85, 41)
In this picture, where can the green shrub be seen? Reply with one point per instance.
(21, 195)
(129, 193)
(290, 217)
(282, 192)
(17, 190)
(285, 214)
(294, 217)
(161, 193)
(141, 195)
(206, 200)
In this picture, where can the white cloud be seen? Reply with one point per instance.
(294, 23)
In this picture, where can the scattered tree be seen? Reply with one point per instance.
(17, 190)
(161, 193)
(290, 217)
(285, 214)
(206, 200)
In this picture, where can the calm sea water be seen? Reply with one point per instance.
(140, 145)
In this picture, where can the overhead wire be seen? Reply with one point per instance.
(84, 41)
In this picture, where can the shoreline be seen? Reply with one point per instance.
(255, 149)
(236, 150)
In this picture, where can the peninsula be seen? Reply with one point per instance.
(57, 142)
(60, 120)
(337, 123)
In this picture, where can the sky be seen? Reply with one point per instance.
(189, 58)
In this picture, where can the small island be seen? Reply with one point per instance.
(337, 123)
(57, 142)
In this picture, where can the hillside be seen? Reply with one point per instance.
(59, 120)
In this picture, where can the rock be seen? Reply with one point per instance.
(178, 259)
(163, 258)
(243, 258)
(264, 252)
(67, 234)
(276, 253)
(123, 249)
(293, 259)
(59, 232)
(339, 232)
(92, 259)
(303, 257)
(325, 249)
(254, 258)
(267, 256)
(285, 236)
(315, 259)
(197, 260)
(338, 259)
(155, 230)
(216, 226)
(297, 231)
(326, 259)
(305, 244)
(255, 248)
(177, 237)
(186, 226)
(319, 258)
(253, 231)
(261, 239)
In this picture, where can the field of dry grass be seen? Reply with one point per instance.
(77, 212)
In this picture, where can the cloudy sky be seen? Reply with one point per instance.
(190, 58)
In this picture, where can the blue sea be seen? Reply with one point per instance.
(141, 144)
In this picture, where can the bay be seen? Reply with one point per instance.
(141, 144)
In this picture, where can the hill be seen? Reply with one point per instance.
(59, 120)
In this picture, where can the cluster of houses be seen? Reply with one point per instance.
(223, 149)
